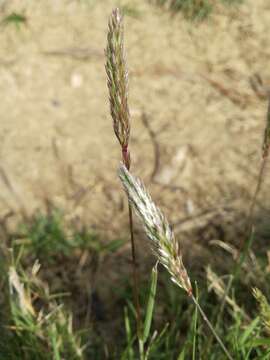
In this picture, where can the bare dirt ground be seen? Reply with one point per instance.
(202, 88)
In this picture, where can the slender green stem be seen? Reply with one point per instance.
(126, 161)
(239, 262)
(135, 272)
(240, 259)
(254, 198)
(141, 349)
(223, 301)
(226, 352)
(195, 329)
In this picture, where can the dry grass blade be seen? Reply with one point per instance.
(218, 286)
(164, 244)
(17, 291)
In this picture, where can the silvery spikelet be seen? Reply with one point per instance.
(158, 230)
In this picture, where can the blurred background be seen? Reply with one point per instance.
(198, 87)
(201, 85)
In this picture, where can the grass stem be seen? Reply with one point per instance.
(135, 272)
(205, 318)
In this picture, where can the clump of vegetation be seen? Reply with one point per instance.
(193, 9)
(130, 10)
(15, 19)
(46, 238)
(38, 327)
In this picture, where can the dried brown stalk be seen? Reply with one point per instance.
(155, 145)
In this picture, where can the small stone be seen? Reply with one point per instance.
(76, 80)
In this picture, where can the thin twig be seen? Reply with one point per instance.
(237, 98)
(155, 145)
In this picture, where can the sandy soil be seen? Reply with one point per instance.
(195, 83)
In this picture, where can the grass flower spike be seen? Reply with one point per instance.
(164, 244)
(158, 230)
(117, 81)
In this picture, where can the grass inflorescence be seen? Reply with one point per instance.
(52, 298)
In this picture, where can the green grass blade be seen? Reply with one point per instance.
(243, 254)
(113, 245)
(129, 335)
(182, 354)
(194, 335)
(150, 304)
(259, 342)
(248, 331)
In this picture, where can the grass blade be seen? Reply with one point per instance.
(150, 303)
(195, 321)
(248, 331)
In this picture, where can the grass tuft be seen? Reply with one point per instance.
(46, 238)
(15, 19)
(194, 9)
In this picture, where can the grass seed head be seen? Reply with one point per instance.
(18, 293)
(157, 228)
(117, 78)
